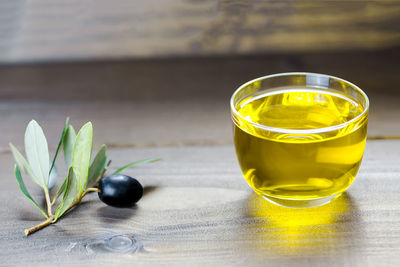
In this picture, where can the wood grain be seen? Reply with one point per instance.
(158, 123)
(46, 30)
(188, 78)
(197, 210)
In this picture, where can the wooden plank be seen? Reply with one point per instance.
(123, 124)
(197, 210)
(157, 123)
(63, 30)
(211, 77)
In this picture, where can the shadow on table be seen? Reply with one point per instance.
(107, 213)
(318, 231)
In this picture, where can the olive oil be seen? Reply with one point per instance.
(299, 143)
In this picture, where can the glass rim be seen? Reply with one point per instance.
(297, 131)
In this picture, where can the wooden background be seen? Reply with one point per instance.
(83, 29)
(155, 77)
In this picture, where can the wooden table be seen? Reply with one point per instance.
(197, 209)
(155, 78)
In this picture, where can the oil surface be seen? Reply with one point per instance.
(304, 163)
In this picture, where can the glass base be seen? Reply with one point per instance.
(299, 203)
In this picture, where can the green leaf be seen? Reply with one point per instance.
(23, 164)
(68, 145)
(59, 144)
(97, 167)
(60, 190)
(71, 192)
(81, 155)
(37, 152)
(135, 163)
(21, 186)
(53, 177)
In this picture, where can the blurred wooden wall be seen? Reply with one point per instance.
(132, 49)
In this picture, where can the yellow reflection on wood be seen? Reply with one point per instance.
(281, 230)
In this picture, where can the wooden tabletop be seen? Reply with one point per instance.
(197, 209)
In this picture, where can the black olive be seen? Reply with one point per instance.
(120, 191)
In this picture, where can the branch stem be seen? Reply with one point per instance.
(90, 189)
(48, 202)
(51, 220)
(39, 226)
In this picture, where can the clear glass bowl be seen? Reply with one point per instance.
(299, 137)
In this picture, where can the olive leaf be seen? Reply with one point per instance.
(59, 144)
(68, 145)
(37, 152)
(81, 155)
(53, 177)
(23, 189)
(23, 164)
(71, 192)
(60, 190)
(135, 163)
(97, 166)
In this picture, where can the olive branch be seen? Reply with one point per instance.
(81, 179)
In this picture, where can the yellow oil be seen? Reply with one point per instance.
(309, 162)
